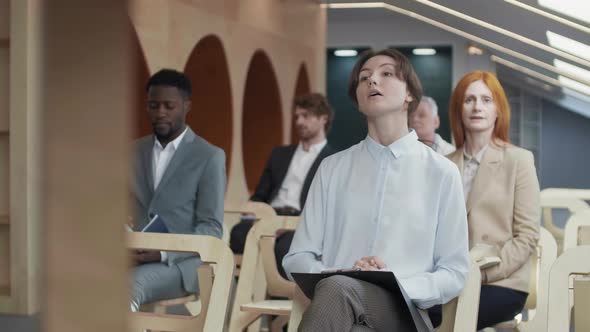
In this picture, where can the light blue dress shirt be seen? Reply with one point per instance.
(403, 202)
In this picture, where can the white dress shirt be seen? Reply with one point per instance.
(470, 167)
(160, 161)
(443, 147)
(403, 203)
(162, 157)
(290, 191)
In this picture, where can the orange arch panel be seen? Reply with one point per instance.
(140, 122)
(262, 125)
(301, 88)
(211, 113)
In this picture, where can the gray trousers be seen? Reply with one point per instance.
(155, 281)
(343, 304)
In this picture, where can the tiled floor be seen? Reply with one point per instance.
(12, 323)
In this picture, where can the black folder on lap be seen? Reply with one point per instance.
(412, 319)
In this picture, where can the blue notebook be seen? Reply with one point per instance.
(156, 225)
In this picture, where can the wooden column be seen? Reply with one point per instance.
(24, 162)
(85, 135)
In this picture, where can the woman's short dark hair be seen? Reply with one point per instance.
(403, 70)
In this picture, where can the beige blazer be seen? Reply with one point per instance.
(503, 210)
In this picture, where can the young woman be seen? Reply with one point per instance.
(387, 203)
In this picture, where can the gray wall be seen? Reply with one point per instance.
(565, 146)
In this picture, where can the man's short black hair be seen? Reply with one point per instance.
(171, 77)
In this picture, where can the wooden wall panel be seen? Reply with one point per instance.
(169, 30)
(4, 75)
(4, 161)
(4, 228)
(141, 74)
(4, 175)
(85, 126)
(24, 103)
(262, 128)
(301, 88)
(211, 113)
(4, 19)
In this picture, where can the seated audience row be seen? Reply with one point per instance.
(392, 202)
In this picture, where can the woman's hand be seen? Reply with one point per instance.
(369, 263)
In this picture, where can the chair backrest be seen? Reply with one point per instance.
(540, 264)
(556, 198)
(259, 275)
(577, 229)
(583, 194)
(276, 284)
(574, 261)
(539, 282)
(215, 298)
(231, 217)
(460, 314)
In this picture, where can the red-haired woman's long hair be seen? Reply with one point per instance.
(502, 126)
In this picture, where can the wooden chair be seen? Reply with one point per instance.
(215, 277)
(259, 276)
(458, 315)
(572, 262)
(555, 198)
(231, 217)
(536, 303)
(191, 302)
(577, 230)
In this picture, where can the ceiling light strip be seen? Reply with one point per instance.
(549, 16)
(353, 5)
(458, 32)
(533, 73)
(506, 33)
(568, 45)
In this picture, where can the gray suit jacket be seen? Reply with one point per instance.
(189, 197)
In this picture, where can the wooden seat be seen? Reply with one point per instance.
(160, 307)
(572, 262)
(259, 277)
(215, 277)
(577, 230)
(458, 315)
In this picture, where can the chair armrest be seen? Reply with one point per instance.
(216, 280)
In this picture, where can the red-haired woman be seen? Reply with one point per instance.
(501, 192)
